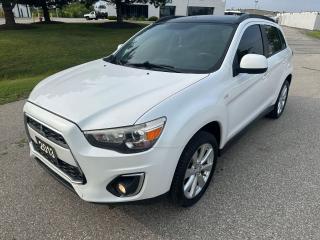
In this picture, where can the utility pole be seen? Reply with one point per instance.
(256, 4)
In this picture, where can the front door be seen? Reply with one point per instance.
(247, 96)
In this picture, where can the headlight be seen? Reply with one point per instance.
(136, 138)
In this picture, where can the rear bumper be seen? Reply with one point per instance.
(101, 166)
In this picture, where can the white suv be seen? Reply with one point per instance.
(153, 117)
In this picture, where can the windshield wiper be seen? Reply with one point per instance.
(112, 59)
(149, 65)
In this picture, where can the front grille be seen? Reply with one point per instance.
(55, 175)
(73, 172)
(46, 132)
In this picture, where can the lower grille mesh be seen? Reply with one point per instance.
(73, 172)
(55, 175)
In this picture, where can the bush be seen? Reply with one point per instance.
(75, 10)
(141, 19)
(112, 17)
(153, 18)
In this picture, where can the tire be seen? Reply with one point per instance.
(281, 102)
(87, 18)
(188, 165)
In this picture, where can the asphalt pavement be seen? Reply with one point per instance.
(267, 185)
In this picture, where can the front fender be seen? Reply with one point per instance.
(187, 112)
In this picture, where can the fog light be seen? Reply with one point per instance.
(126, 185)
(121, 188)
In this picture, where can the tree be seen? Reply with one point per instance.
(45, 5)
(7, 7)
(121, 3)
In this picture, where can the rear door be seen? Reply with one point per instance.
(277, 59)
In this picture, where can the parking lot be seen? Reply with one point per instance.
(267, 185)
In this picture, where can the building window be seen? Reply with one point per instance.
(166, 11)
(130, 11)
(200, 11)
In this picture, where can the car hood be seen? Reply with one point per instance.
(99, 95)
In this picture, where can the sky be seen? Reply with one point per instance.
(277, 5)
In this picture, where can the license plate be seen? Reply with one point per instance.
(47, 151)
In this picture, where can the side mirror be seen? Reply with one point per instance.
(253, 64)
(119, 46)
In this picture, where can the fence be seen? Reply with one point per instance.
(305, 20)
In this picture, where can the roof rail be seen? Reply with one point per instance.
(164, 19)
(247, 16)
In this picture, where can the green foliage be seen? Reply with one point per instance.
(141, 19)
(153, 18)
(75, 10)
(112, 17)
(12, 90)
(28, 56)
(48, 3)
(315, 34)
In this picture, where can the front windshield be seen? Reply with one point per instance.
(180, 47)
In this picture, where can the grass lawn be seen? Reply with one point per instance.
(314, 34)
(29, 55)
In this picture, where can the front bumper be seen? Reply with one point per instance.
(100, 166)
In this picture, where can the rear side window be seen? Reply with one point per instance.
(273, 40)
(283, 42)
(251, 42)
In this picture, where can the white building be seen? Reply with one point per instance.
(101, 7)
(305, 20)
(172, 8)
(20, 11)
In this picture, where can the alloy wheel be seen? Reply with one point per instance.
(198, 171)
(282, 99)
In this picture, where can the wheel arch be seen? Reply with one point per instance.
(214, 128)
(289, 78)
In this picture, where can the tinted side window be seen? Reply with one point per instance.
(251, 42)
(273, 41)
(283, 42)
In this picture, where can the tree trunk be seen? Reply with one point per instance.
(45, 10)
(8, 14)
(119, 11)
